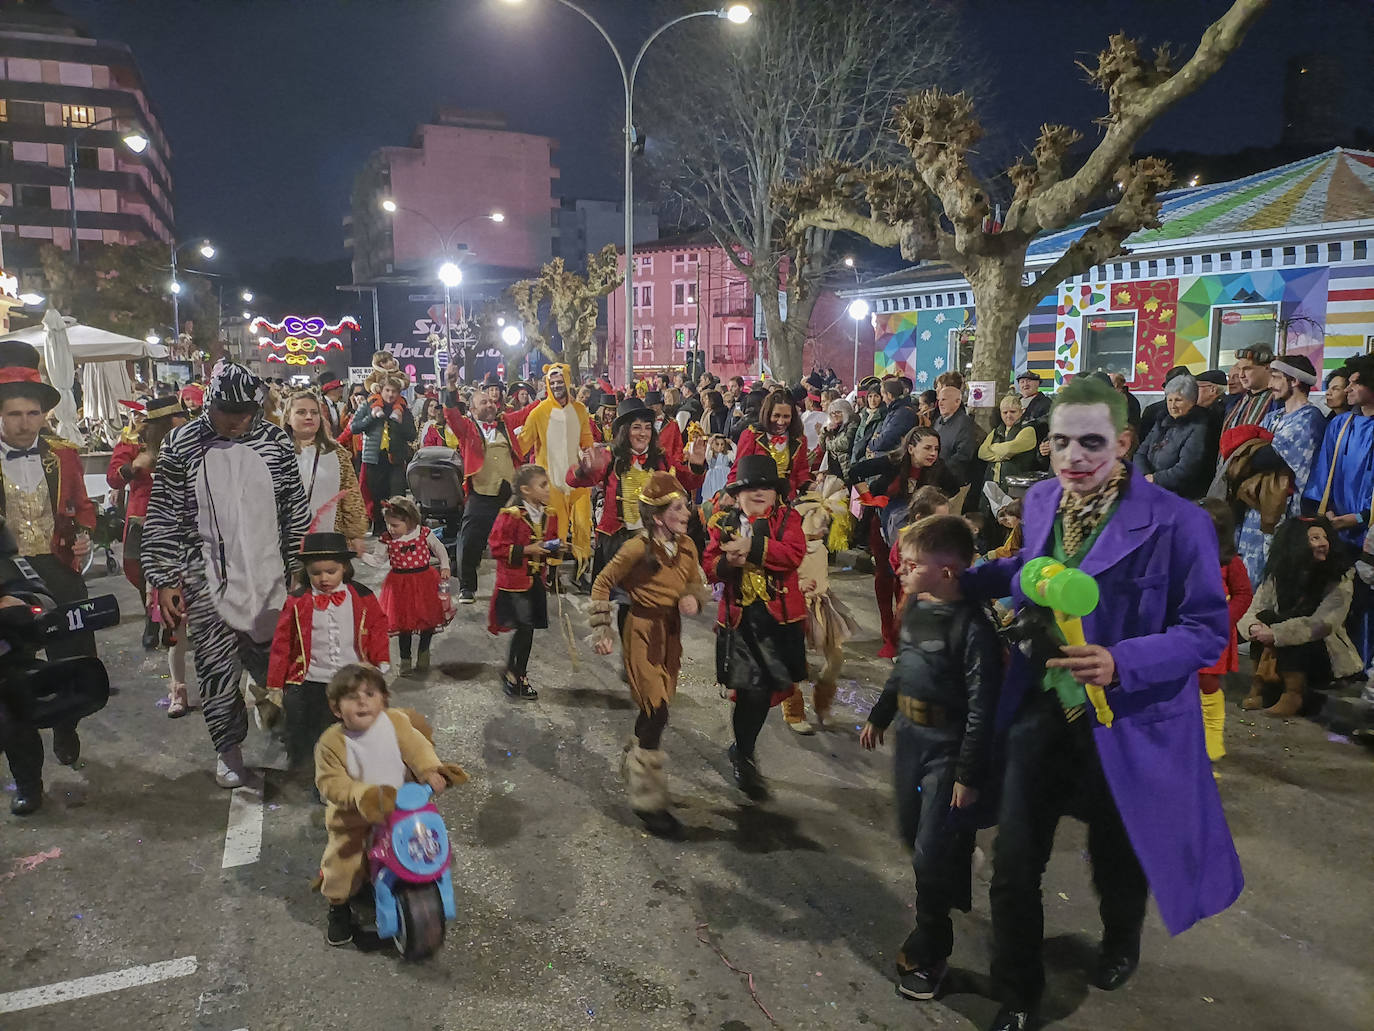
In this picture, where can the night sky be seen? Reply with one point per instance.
(272, 105)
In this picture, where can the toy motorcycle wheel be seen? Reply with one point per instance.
(420, 920)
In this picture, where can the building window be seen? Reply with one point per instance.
(6, 151)
(644, 296)
(1109, 342)
(1170, 267)
(680, 262)
(1207, 263)
(1188, 264)
(78, 115)
(681, 296)
(683, 338)
(1135, 270)
(1154, 268)
(1333, 252)
(1266, 258)
(1290, 255)
(644, 343)
(26, 112)
(1237, 326)
(1361, 250)
(1311, 254)
(88, 157)
(645, 263)
(35, 197)
(693, 258)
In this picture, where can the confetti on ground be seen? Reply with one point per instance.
(1208, 998)
(1063, 896)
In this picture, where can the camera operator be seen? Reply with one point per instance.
(43, 500)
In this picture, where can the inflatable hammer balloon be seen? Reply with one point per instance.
(1071, 594)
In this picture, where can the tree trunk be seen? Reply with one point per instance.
(787, 339)
(999, 304)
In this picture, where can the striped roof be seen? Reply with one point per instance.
(1337, 186)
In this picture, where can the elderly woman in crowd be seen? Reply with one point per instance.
(1009, 450)
(837, 438)
(1175, 454)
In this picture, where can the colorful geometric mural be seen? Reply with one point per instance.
(916, 343)
(1349, 314)
(1299, 293)
(1154, 304)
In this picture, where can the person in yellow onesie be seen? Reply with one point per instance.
(558, 430)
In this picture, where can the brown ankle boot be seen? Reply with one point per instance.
(1255, 699)
(1290, 704)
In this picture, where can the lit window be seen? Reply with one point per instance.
(78, 115)
(4, 111)
(1109, 342)
(679, 294)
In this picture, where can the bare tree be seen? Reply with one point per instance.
(730, 117)
(568, 301)
(933, 206)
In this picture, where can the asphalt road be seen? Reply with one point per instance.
(117, 910)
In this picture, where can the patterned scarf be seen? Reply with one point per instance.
(1081, 513)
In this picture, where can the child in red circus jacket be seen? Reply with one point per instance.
(415, 593)
(327, 623)
(525, 539)
(754, 552)
(1239, 593)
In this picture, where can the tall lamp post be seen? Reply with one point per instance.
(134, 140)
(450, 275)
(858, 311)
(207, 250)
(736, 13)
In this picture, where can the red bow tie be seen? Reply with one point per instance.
(778, 440)
(489, 427)
(323, 601)
(638, 460)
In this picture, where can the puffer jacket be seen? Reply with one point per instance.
(401, 433)
(1175, 453)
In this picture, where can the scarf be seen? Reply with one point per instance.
(1081, 513)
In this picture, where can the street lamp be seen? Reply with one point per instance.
(247, 295)
(858, 311)
(390, 206)
(450, 275)
(134, 140)
(206, 250)
(737, 14)
(511, 336)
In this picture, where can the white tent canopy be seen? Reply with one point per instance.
(88, 344)
(57, 356)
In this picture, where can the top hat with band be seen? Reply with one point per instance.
(756, 471)
(629, 410)
(327, 382)
(165, 407)
(317, 546)
(19, 375)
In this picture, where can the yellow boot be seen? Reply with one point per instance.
(1214, 723)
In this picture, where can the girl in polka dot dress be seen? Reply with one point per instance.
(415, 592)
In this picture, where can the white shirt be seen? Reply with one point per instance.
(332, 646)
(536, 513)
(374, 755)
(323, 491)
(25, 473)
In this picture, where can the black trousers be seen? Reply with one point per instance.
(1052, 770)
(941, 838)
(473, 539)
(384, 480)
(649, 727)
(307, 717)
(19, 740)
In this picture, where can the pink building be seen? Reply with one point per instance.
(59, 86)
(458, 171)
(689, 295)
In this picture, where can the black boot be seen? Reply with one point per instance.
(1008, 1019)
(66, 745)
(1115, 964)
(151, 634)
(747, 776)
(27, 799)
(340, 930)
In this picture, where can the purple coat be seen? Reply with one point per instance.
(1163, 621)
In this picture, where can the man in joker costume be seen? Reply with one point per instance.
(1143, 784)
(557, 430)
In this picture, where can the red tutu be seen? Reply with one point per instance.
(411, 601)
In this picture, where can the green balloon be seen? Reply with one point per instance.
(1072, 592)
(1031, 575)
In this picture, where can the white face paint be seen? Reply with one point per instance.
(1084, 446)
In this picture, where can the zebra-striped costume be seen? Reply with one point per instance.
(180, 542)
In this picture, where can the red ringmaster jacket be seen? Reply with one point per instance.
(753, 441)
(140, 483)
(612, 512)
(290, 654)
(777, 548)
(512, 532)
(72, 510)
(472, 443)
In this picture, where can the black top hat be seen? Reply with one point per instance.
(19, 376)
(521, 383)
(492, 380)
(653, 397)
(869, 384)
(756, 471)
(630, 409)
(327, 382)
(1028, 374)
(606, 399)
(163, 407)
(326, 545)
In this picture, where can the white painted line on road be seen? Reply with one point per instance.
(243, 838)
(96, 984)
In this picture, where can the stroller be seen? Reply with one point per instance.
(435, 479)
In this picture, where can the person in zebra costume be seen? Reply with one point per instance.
(218, 554)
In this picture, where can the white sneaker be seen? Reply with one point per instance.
(803, 728)
(226, 776)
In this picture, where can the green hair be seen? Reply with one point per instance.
(1090, 389)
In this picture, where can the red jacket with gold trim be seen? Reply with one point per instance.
(612, 515)
(776, 549)
(753, 441)
(290, 656)
(510, 535)
(72, 510)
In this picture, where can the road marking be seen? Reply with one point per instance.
(243, 838)
(96, 984)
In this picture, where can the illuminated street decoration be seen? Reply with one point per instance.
(298, 341)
